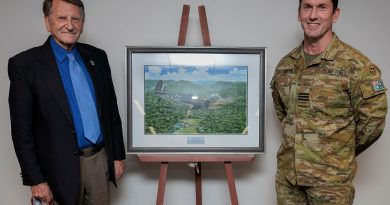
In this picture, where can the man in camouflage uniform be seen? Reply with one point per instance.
(332, 104)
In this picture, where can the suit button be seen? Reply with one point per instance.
(73, 132)
(75, 153)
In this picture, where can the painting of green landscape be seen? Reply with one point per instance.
(195, 100)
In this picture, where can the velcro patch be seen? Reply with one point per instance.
(303, 96)
(377, 85)
(303, 99)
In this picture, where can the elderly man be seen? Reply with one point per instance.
(66, 127)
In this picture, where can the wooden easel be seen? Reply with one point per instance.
(165, 159)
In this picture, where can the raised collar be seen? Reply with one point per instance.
(329, 54)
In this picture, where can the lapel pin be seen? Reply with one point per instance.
(92, 62)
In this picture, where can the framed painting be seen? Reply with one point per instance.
(195, 100)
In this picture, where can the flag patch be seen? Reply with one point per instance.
(377, 85)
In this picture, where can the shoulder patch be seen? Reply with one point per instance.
(377, 85)
(373, 70)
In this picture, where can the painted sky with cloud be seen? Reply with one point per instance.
(191, 73)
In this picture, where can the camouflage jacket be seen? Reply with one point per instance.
(330, 110)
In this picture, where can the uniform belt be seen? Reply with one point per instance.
(90, 151)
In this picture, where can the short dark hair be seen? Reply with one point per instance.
(335, 4)
(48, 5)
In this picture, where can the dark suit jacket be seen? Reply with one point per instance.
(41, 121)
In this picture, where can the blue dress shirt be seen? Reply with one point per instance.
(63, 66)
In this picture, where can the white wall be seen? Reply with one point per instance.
(111, 25)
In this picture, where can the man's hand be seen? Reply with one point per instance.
(119, 169)
(42, 192)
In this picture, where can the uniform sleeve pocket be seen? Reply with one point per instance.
(372, 88)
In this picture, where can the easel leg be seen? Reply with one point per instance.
(231, 183)
(183, 25)
(198, 184)
(161, 183)
(204, 26)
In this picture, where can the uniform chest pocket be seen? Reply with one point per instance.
(330, 94)
(284, 81)
(284, 77)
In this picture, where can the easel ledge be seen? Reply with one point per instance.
(196, 157)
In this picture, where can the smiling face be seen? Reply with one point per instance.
(317, 18)
(65, 23)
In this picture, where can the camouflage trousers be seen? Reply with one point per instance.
(289, 194)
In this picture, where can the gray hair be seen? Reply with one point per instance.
(48, 5)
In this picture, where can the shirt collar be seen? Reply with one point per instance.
(59, 52)
(328, 54)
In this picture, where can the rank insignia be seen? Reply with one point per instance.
(303, 99)
(377, 85)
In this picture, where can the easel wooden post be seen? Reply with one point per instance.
(204, 26)
(197, 159)
(165, 159)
